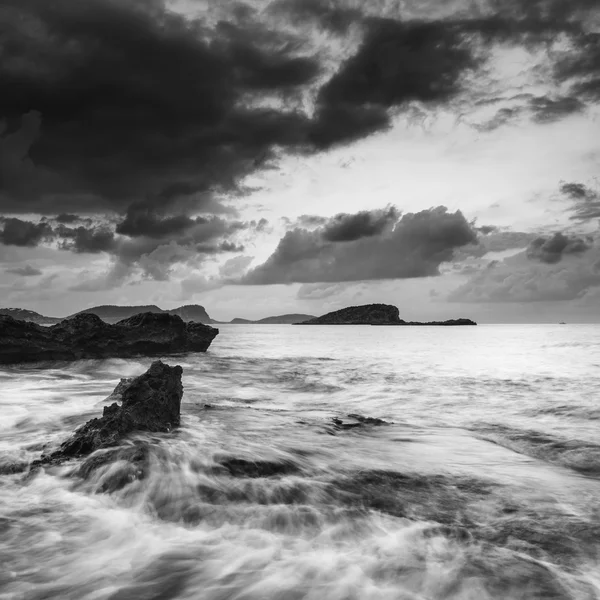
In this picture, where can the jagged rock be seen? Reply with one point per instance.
(87, 336)
(150, 402)
(356, 422)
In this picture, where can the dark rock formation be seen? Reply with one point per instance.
(150, 402)
(239, 467)
(368, 314)
(374, 314)
(87, 336)
(355, 421)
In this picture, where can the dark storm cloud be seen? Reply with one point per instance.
(24, 271)
(135, 100)
(86, 240)
(333, 16)
(67, 219)
(551, 250)
(585, 201)
(17, 232)
(397, 62)
(415, 247)
(122, 101)
(141, 221)
(347, 228)
(582, 66)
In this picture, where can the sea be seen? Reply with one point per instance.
(321, 463)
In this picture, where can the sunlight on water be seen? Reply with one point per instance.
(480, 482)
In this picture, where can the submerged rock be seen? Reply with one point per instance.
(239, 467)
(355, 421)
(87, 336)
(150, 402)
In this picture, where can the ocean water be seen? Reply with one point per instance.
(479, 478)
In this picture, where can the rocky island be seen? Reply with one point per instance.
(374, 314)
(87, 336)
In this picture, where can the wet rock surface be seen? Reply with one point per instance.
(239, 467)
(86, 336)
(354, 421)
(150, 402)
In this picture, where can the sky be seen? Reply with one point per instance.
(276, 156)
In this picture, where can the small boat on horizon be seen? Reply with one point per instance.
(562, 323)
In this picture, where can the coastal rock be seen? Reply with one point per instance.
(368, 314)
(88, 336)
(150, 402)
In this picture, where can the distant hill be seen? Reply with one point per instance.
(22, 314)
(375, 314)
(192, 312)
(112, 314)
(278, 320)
(284, 319)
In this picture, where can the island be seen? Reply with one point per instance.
(87, 336)
(277, 320)
(375, 314)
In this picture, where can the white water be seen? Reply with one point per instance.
(486, 485)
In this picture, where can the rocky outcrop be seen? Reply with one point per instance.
(87, 336)
(374, 314)
(368, 314)
(150, 402)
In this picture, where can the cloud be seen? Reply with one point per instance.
(552, 250)
(24, 271)
(585, 201)
(144, 221)
(133, 100)
(495, 239)
(416, 247)
(82, 239)
(526, 278)
(67, 219)
(347, 228)
(320, 291)
(17, 232)
(235, 267)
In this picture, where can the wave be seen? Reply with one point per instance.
(578, 455)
